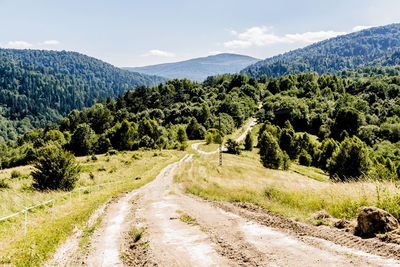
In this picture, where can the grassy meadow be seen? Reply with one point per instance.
(43, 236)
(297, 193)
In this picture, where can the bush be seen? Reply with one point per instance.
(248, 142)
(3, 184)
(15, 174)
(82, 140)
(271, 154)
(350, 161)
(232, 147)
(194, 130)
(55, 169)
(305, 158)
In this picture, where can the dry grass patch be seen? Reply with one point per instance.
(244, 179)
(44, 236)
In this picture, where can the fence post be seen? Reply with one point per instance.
(25, 221)
(52, 211)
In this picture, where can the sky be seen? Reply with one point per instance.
(144, 32)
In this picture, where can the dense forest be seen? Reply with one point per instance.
(374, 46)
(162, 116)
(349, 128)
(38, 87)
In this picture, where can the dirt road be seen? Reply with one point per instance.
(183, 230)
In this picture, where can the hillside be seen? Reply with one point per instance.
(198, 69)
(374, 46)
(38, 87)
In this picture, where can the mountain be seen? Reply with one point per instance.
(38, 87)
(198, 69)
(374, 46)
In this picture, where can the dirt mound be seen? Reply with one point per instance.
(302, 230)
(372, 221)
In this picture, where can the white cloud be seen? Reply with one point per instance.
(51, 42)
(159, 53)
(360, 28)
(18, 44)
(263, 36)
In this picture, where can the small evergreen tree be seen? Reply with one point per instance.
(195, 130)
(305, 158)
(82, 140)
(248, 142)
(232, 147)
(55, 169)
(350, 161)
(271, 154)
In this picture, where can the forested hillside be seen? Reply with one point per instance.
(38, 87)
(198, 69)
(357, 123)
(162, 116)
(374, 46)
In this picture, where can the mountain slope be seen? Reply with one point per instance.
(374, 46)
(198, 69)
(38, 87)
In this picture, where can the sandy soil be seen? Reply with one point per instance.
(224, 234)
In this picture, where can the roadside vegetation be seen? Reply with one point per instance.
(43, 236)
(243, 178)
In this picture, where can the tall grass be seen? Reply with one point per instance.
(296, 194)
(43, 236)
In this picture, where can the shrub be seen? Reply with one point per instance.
(350, 161)
(194, 130)
(3, 184)
(15, 174)
(55, 169)
(271, 154)
(248, 142)
(82, 140)
(232, 147)
(305, 158)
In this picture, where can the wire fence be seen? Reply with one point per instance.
(87, 190)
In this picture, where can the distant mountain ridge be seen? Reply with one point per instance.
(39, 86)
(373, 46)
(198, 69)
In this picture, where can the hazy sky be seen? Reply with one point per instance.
(137, 33)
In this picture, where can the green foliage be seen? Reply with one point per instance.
(271, 154)
(328, 147)
(41, 86)
(55, 169)
(4, 184)
(82, 140)
(248, 142)
(122, 135)
(194, 130)
(373, 46)
(232, 147)
(213, 136)
(350, 161)
(305, 158)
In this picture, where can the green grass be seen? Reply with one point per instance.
(288, 193)
(188, 219)
(311, 172)
(43, 236)
(136, 233)
(209, 147)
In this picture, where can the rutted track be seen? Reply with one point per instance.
(225, 234)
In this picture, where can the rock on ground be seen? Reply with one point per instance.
(372, 221)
